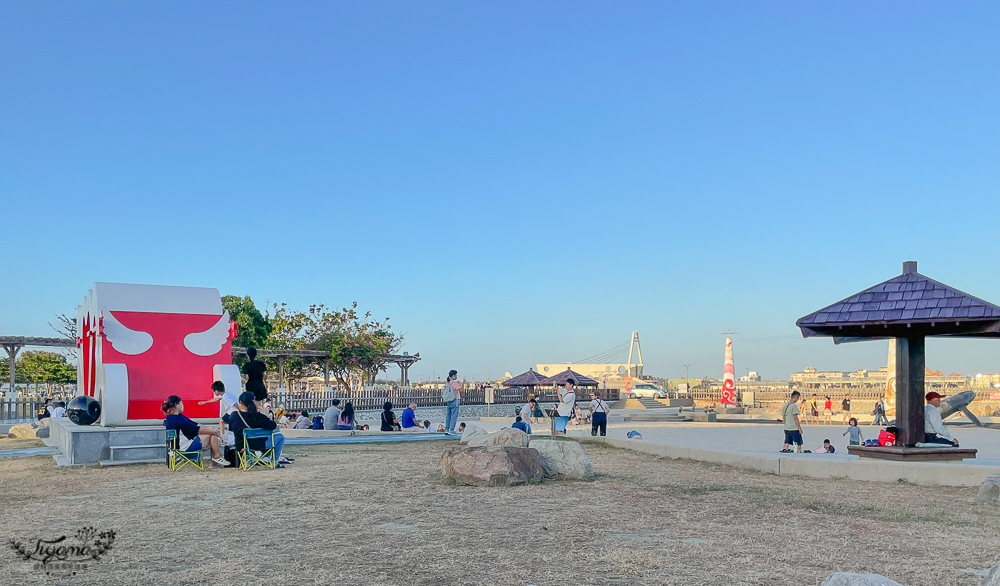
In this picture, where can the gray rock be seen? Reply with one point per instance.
(470, 432)
(22, 431)
(514, 438)
(492, 465)
(563, 459)
(848, 579)
(42, 432)
(989, 490)
(993, 578)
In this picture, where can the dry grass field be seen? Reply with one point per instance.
(381, 514)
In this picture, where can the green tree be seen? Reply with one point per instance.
(44, 367)
(252, 327)
(360, 346)
(297, 330)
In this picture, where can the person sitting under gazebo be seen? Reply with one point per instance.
(934, 430)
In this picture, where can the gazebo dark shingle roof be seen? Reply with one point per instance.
(904, 305)
(527, 379)
(559, 379)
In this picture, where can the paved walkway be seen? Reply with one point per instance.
(28, 452)
(757, 446)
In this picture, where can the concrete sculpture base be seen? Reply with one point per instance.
(91, 444)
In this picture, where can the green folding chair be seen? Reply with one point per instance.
(248, 457)
(177, 459)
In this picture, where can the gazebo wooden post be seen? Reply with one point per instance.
(910, 362)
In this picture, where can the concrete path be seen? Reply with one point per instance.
(757, 446)
(28, 452)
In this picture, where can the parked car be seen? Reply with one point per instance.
(647, 390)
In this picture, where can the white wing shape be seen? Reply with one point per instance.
(122, 339)
(211, 340)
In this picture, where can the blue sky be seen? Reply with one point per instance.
(515, 183)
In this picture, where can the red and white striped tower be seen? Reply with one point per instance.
(729, 377)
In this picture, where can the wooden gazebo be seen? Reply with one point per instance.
(527, 379)
(561, 378)
(908, 308)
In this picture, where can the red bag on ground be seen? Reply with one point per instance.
(886, 439)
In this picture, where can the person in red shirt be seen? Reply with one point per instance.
(827, 411)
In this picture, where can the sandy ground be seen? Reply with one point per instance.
(381, 514)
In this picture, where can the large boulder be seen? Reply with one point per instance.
(514, 438)
(42, 432)
(989, 490)
(564, 460)
(848, 579)
(993, 578)
(492, 465)
(471, 431)
(23, 431)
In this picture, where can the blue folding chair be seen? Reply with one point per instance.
(249, 458)
(177, 459)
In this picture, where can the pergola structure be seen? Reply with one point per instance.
(13, 345)
(404, 361)
(909, 308)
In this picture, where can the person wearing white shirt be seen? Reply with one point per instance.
(934, 430)
(60, 409)
(226, 400)
(526, 410)
(567, 400)
(598, 415)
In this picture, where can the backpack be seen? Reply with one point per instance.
(317, 422)
(448, 393)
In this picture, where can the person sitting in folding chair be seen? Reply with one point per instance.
(190, 434)
(246, 417)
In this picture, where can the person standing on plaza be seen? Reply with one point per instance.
(526, 410)
(828, 411)
(598, 415)
(845, 405)
(855, 431)
(879, 412)
(452, 396)
(793, 427)
(567, 401)
(812, 416)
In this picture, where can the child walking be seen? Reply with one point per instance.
(855, 431)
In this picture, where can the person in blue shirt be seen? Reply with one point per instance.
(190, 434)
(518, 424)
(409, 418)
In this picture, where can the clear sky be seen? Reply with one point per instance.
(511, 182)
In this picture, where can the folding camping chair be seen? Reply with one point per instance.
(177, 459)
(248, 457)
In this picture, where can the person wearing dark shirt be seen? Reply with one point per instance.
(518, 424)
(388, 418)
(191, 436)
(255, 369)
(45, 410)
(246, 417)
(409, 418)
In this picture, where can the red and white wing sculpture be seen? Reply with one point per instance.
(141, 343)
